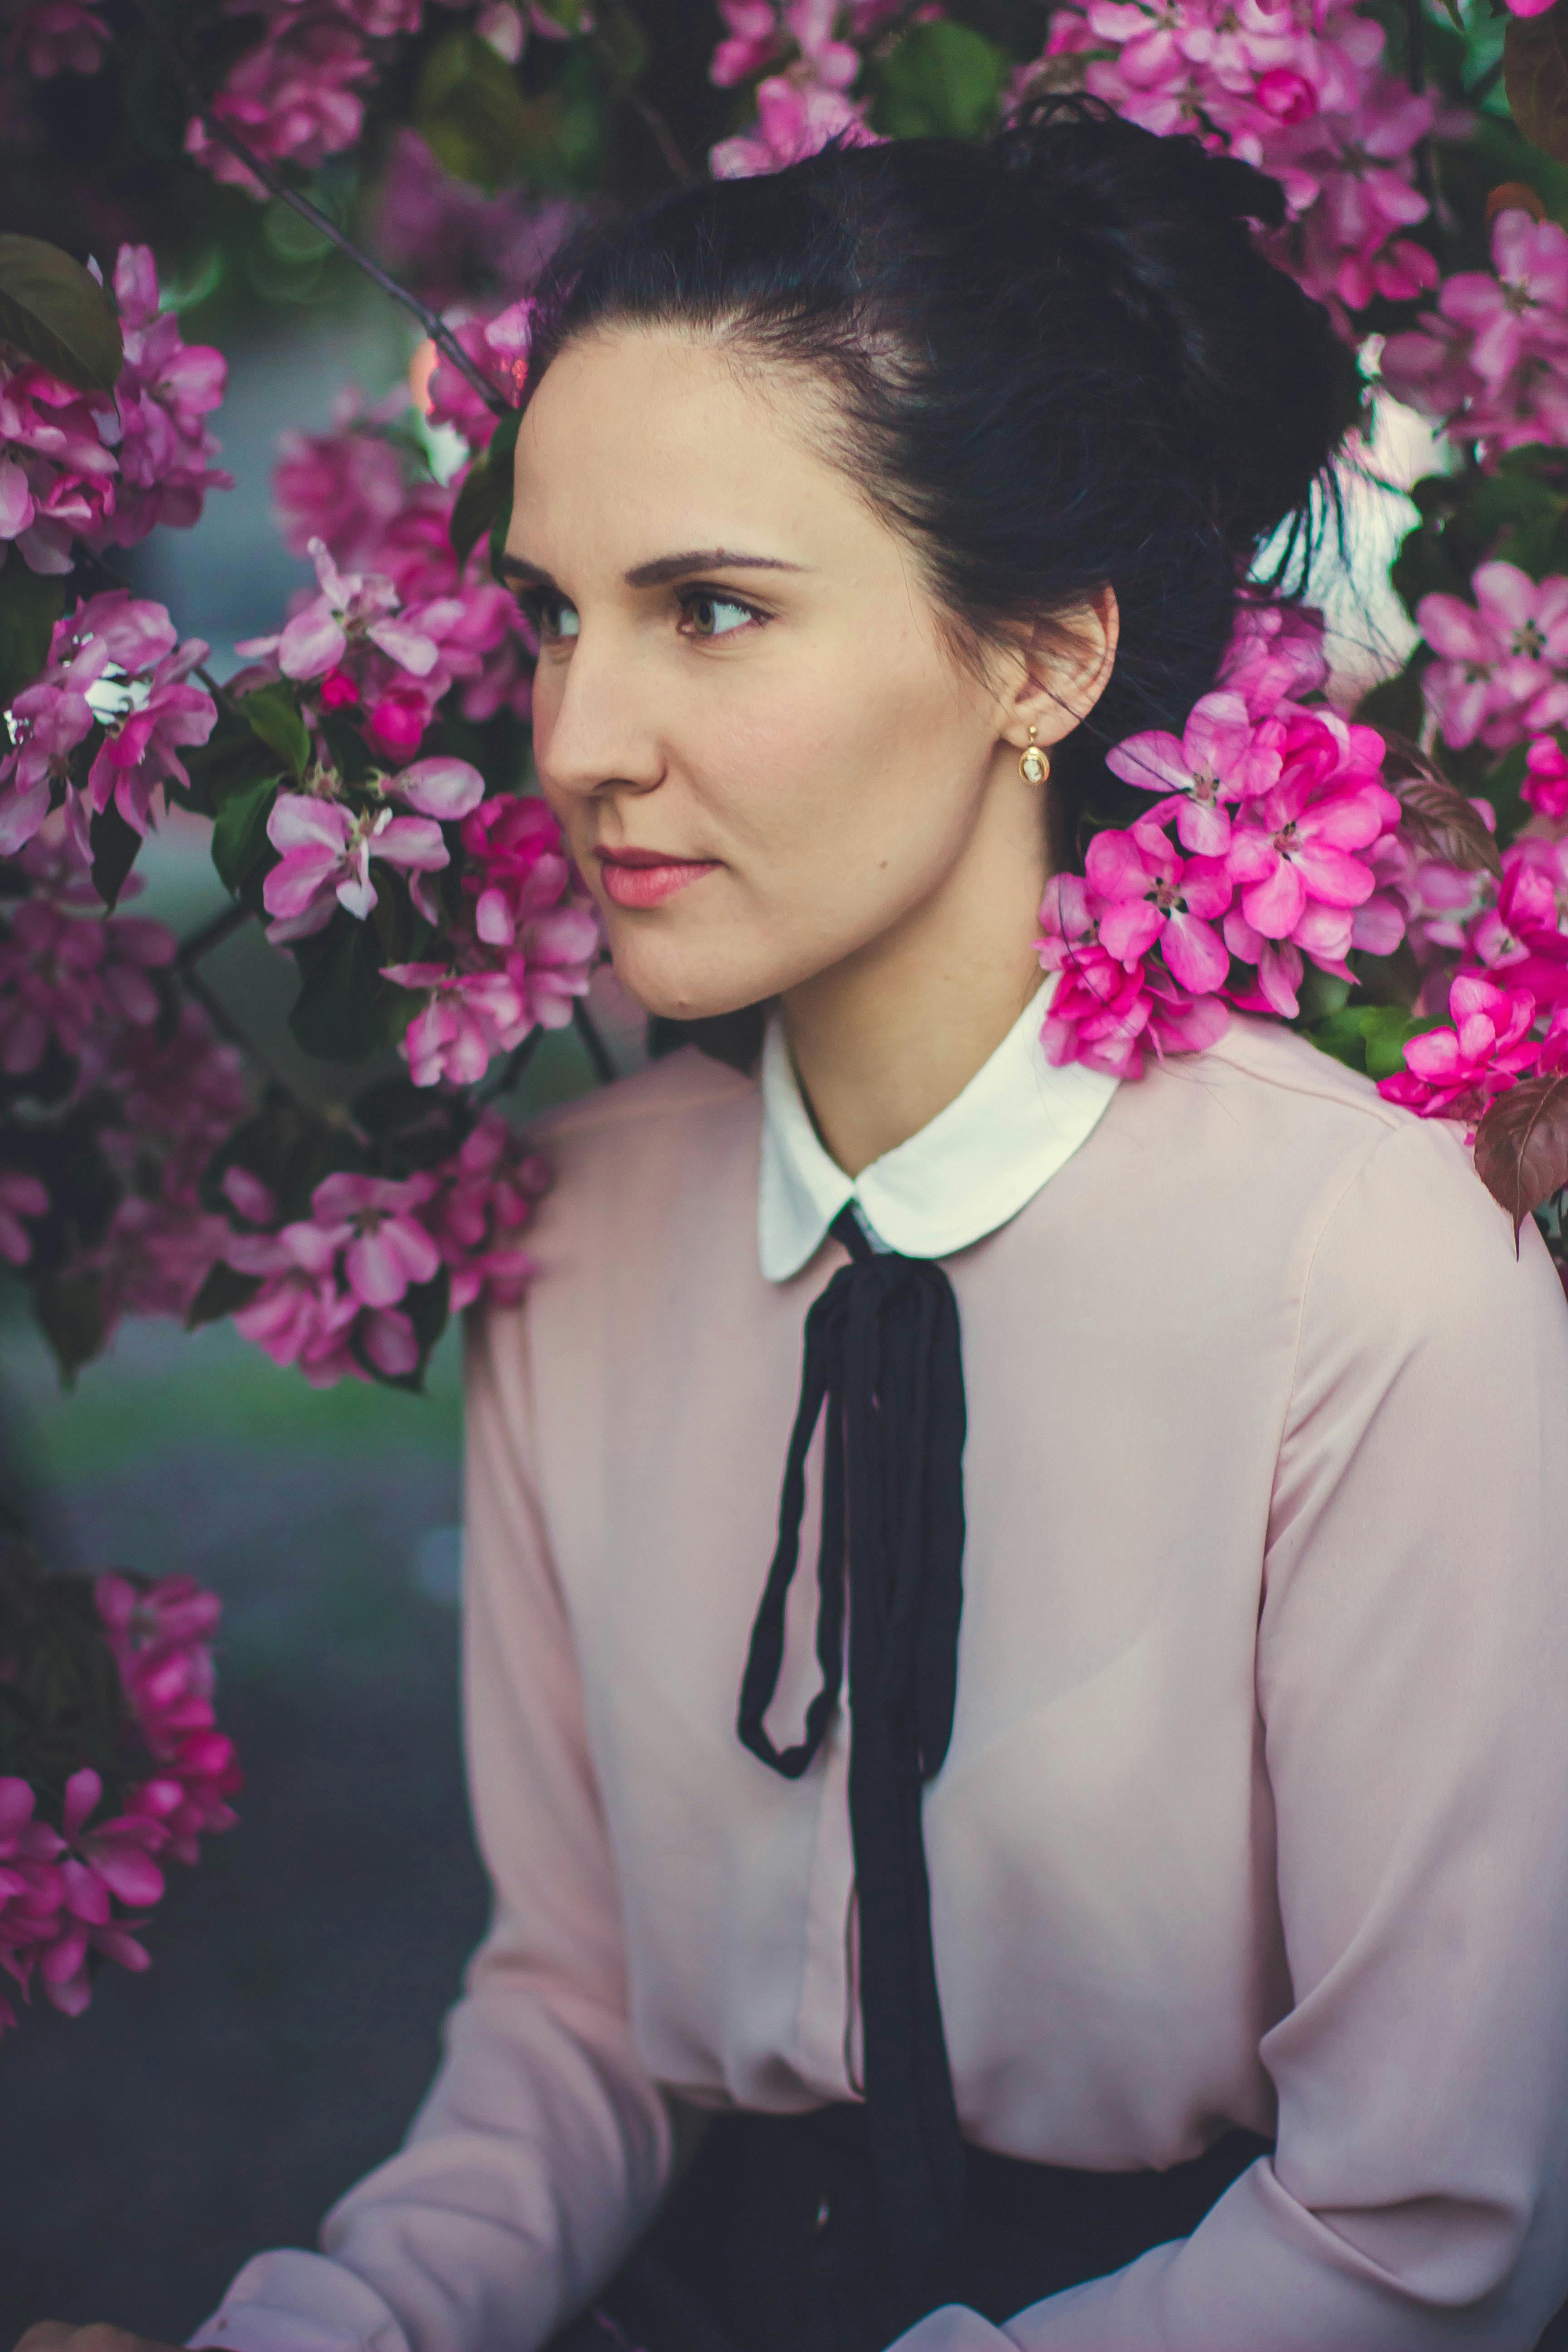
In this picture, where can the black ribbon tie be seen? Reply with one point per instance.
(882, 1356)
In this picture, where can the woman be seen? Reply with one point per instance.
(1163, 1937)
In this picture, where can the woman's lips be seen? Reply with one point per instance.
(646, 877)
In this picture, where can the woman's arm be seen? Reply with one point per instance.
(1413, 1684)
(543, 2148)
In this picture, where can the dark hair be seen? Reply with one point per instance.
(1057, 359)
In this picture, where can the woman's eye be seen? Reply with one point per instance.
(716, 616)
(553, 617)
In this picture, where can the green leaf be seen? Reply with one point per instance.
(1396, 706)
(30, 604)
(340, 1011)
(1370, 1038)
(53, 309)
(943, 81)
(239, 833)
(224, 1292)
(114, 844)
(232, 757)
(486, 491)
(70, 1311)
(273, 715)
(472, 115)
(622, 43)
(1535, 76)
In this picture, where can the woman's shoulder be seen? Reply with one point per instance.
(1391, 1219)
(685, 1128)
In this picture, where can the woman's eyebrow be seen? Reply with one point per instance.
(665, 568)
(660, 571)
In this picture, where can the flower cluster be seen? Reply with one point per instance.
(1487, 359)
(521, 950)
(1501, 672)
(447, 236)
(297, 95)
(1257, 857)
(55, 37)
(336, 1292)
(74, 1882)
(348, 492)
(325, 845)
(118, 674)
(1297, 87)
(1493, 952)
(809, 67)
(106, 469)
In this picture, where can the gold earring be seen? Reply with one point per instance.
(1032, 764)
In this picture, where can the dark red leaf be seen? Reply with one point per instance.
(1521, 1145)
(1438, 819)
(1535, 76)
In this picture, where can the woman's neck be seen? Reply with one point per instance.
(885, 1040)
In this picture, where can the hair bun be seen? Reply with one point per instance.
(1261, 387)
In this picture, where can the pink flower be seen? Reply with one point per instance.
(1152, 896)
(20, 1196)
(1490, 360)
(372, 1221)
(1103, 1011)
(1519, 310)
(485, 1196)
(1545, 785)
(467, 1019)
(325, 855)
(58, 36)
(752, 41)
(500, 345)
(71, 982)
(1276, 654)
(165, 391)
(444, 235)
(343, 487)
(1454, 1072)
(142, 743)
(518, 864)
(350, 607)
(1220, 757)
(795, 119)
(1499, 675)
(294, 96)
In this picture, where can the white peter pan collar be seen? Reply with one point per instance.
(977, 1164)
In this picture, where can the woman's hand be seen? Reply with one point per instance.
(55, 2336)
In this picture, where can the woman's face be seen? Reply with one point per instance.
(764, 754)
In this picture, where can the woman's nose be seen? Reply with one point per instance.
(597, 736)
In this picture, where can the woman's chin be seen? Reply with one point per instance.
(668, 996)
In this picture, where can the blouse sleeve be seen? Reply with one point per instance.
(1412, 1679)
(543, 2146)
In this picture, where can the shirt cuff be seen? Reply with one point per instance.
(293, 2302)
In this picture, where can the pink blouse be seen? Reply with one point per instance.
(1255, 1810)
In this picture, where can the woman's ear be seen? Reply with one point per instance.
(1064, 666)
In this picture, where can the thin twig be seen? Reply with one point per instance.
(605, 1069)
(215, 126)
(663, 137)
(212, 934)
(511, 1069)
(225, 1025)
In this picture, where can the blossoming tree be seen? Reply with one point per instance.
(1391, 878)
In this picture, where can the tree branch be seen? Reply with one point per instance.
(215, 126)
(605, 1069)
